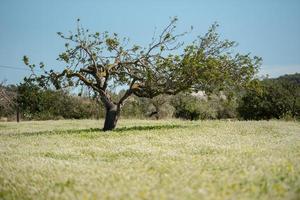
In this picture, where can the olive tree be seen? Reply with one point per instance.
(166, 66)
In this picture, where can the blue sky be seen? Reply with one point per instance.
(266, 28)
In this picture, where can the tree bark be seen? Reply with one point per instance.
(18, 114)
(113, 109)
(111, 117)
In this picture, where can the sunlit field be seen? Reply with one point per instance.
(72, 159)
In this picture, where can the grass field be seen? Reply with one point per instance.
(150, 160)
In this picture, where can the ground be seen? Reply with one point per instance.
(72, 159)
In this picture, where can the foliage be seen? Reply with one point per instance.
(187, 107)
(102, 61)
(134, 108)
(8, 97)
(214, 106)
(276, 98)
(37, 103)
(159, 107)
(291, 84)
(225, 104)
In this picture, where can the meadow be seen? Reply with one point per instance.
(148, 159)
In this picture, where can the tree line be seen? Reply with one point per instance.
(270, 99)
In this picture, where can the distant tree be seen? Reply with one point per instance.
(29, 98)
(291, 83)
(276, 98)
(160, 107)
(186, 106)
(194, 107)
(100, 61)
(8, 104)
(38, 103)
(134, 107)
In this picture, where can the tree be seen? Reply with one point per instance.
(187, 106)
(102, 60)
(8, 104)
(276, 98)
(160, 107)
(38, 103)
(291, 83)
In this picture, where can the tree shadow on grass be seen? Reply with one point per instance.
(147, 128)
(98, 130)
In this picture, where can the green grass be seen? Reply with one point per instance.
(150, 160)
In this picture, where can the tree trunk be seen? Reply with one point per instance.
(18, 114)
(111, 117)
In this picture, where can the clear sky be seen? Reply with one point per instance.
(266, 28)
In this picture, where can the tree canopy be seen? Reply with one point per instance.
(166, 66)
